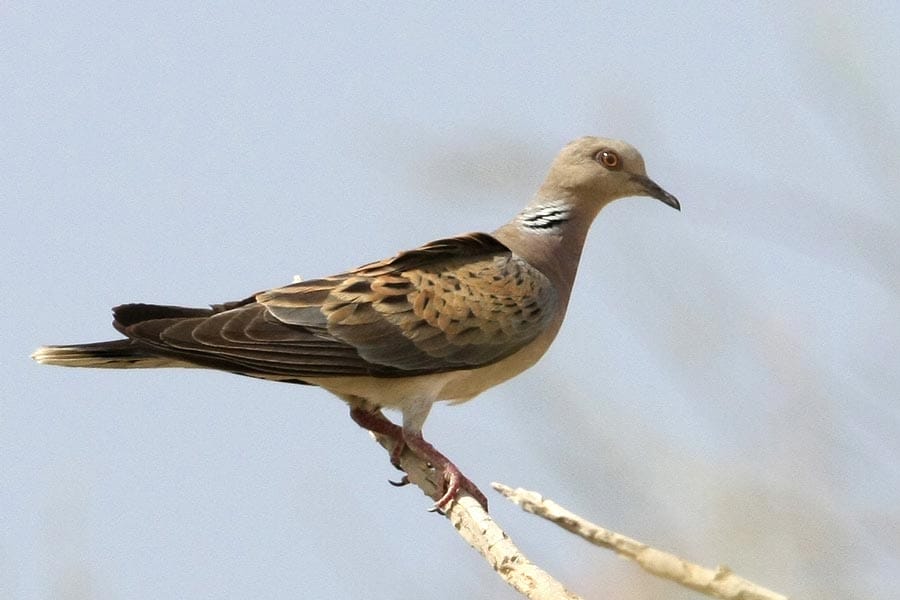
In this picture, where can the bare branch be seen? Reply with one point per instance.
(718, 583)
(477, 528)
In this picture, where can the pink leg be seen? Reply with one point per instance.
(453, 478)
(376, 422)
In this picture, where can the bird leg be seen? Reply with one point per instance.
(454, 480)
(375, 421)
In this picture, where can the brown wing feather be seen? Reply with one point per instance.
(250, 341)
(452, 304)
(456, 303)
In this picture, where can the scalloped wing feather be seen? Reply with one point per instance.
(457, 303)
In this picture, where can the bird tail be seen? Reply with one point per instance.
(115, 354)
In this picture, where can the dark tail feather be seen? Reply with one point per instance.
(127, 353)
(129, 314)
(116, 354)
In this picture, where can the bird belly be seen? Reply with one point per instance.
(453, 386)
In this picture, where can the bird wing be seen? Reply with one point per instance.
(456, 303)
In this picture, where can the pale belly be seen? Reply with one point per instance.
(453, 386)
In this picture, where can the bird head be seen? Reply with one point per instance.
(598, 170)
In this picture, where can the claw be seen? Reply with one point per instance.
(401, 483)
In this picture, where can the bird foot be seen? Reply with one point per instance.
(454, 481)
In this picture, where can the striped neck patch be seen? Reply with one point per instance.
(545, 216)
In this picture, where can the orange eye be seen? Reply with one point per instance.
(608, 158)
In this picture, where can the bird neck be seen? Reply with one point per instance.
(549, 234)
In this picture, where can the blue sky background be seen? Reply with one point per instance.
(726, 385)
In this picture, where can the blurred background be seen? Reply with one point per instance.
(726, 386)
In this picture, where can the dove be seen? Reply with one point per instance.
(441, 322)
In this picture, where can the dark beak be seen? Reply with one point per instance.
(653, 190)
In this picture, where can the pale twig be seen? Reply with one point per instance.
(718, 583)
(477, 528)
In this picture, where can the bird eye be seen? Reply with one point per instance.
(608, 158)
